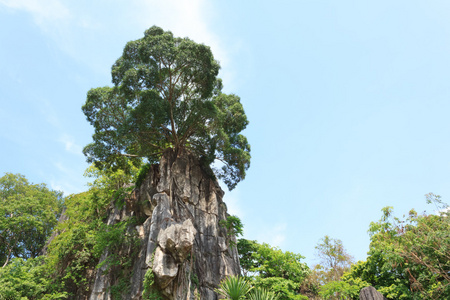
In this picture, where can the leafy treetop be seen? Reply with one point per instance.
(166, 94)
(28, 214)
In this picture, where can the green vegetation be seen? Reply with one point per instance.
(65, 272)
(272, 269)
(28, 214)
(234, 288)
(408, 258)
(262, 294)
(166, 94)
(84, 236)
(150, 291)
(325, 276)
(234, 228)
(27, 279)
(334, 259)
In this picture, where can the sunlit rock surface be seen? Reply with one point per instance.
(182, 240)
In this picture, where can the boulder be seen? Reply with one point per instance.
(370, 293)
(164, 267)
(177, 240)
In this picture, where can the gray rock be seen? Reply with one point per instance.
(100, 291)
(370, 293)
(182, 241)
(161, 218)
(164, 267)
(177, 239)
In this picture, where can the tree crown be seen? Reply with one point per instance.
(166, 94)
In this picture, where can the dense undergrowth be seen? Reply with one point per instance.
(76, 245)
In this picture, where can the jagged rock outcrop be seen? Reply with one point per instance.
(183, 242)
(370, 293)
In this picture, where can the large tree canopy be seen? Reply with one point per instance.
(28, 213)
(166, 94)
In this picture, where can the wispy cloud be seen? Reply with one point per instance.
(274, 236)
(49, 112)
(64, 187)
(186, 19)
(62, 21)
(67, 180)
(43, 12)
(70, 145)
(232, 201)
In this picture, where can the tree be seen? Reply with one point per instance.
(272, 269)
(166, 94)
(325, 276)
(409, 258)
(79, 239)
(28, 213)
(334, 259)
(83, 236)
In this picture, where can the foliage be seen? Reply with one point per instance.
(122, 245)
(337, 290)
(166, 94)
(262, 294)
(409, 258)
(150, 292)
(284, 288)
(334, 259)
(143, 171)
(233, 225)
(70, 254)
(111, 184)
(273, 262)
(342, 289)
(83, 236)
(26, 279)
(28, 213)
(234, 228)
(234, 288)
(246, 250)
(273, 269)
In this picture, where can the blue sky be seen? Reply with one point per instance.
(347, 102)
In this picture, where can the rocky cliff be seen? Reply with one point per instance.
(184, 249)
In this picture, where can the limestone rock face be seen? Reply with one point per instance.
(177, 240)
(370, 293)
(183, 243)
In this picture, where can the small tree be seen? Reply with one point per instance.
(334, 259)
(166, 94)
(28, 213)
(280, 272)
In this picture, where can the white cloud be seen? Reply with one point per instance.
(67, 180)
(64, 187)
(43, 12)
(70, 145)
(275, 236)
(442, 211)
(186, 19)
(50, 113)
(231, 199)
(67, 22)
(62, 168)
